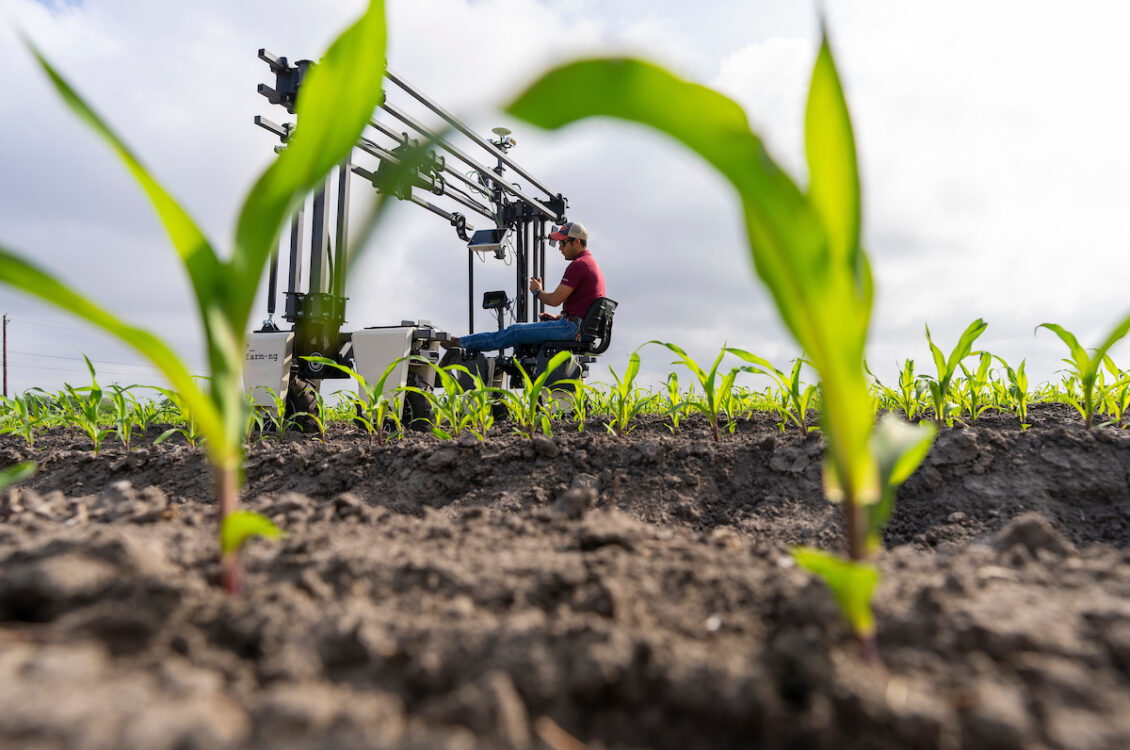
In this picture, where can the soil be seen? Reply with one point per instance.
(580, 590)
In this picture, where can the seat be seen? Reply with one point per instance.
(596, 330)
(595, 338)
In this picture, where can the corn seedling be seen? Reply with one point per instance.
(527, 407)
(973, 394)
(715, 392)
(456, 407)
(1018, 391)
(318, 416)
(343, 409)
(675, 404)
(146, 413)
(1115, 397)
(625, 400)
(271, 419)
(374, 405)
(911, 390)
(23, 414)
(480, 404)
(1117, 400)
(178, 409)
(579, 403)
(124, 412)
(1086, 366)
(446, 407)
(338, 98)
(941, 388)
(805, 246)
(86, 408)
(793, 400)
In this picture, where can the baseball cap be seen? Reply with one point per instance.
(572, 229)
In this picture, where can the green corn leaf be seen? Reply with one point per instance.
(938, 355)
(899, 447)
(195, 251)
(851, 583)
(1115, 336)
(16, 473)
(241, 525)
(1079, 356)
(337, 100)
(37, 282)
(830, 148)
(633, 368)
(965, 344)
(687, 361)
(762, 365)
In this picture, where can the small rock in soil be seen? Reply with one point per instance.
(545, 447)
(1032, 532)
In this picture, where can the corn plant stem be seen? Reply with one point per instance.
(854, 527)
(227, 489)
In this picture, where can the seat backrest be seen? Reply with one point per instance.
(596, 326)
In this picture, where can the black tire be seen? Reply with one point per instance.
(417, 413)
(302, 399)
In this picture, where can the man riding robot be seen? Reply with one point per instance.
(581, 284)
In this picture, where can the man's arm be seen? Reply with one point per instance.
(556, 297)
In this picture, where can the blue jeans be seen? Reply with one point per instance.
(520, 333)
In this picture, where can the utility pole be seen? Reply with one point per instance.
(5, 355)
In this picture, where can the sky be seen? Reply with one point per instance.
(991, 139)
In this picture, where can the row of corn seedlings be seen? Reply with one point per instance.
(986, 383)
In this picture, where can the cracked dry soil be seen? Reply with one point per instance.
(635, 592)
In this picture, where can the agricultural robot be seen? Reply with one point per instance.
(512, 220)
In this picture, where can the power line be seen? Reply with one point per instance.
(80, 359)
(85, 332)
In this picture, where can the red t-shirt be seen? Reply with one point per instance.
(584, 276)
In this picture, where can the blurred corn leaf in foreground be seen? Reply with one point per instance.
(16, 473)
(337, 100)
(241, 525)
(805, 247)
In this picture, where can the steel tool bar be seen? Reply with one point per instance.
(456, 195)
(273, 283)
(296, 230)
(410, 122)
(535, 270)
(338, 286)
(454, 192)
(454, 122)
(470, 290)
(376, 150)
(486, 172)
(523, 292)
(446, 168)
(450, 170)
(541, 254)
(362, 172)
(280, 130)
(319, 235)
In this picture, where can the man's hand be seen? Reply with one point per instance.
(548, 316)
(535, 284)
